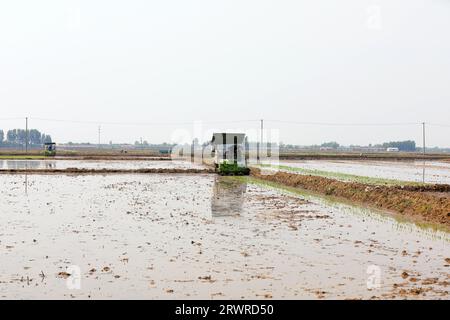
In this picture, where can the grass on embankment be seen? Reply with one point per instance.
(342, 176)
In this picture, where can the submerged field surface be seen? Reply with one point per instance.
(370, 171)
(176, 236)
(97, 164)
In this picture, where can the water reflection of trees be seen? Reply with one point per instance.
(228, 196)
(27, 164)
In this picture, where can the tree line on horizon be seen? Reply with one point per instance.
(19, 137)
(407, 145)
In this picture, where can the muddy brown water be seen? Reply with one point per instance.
(179, 236)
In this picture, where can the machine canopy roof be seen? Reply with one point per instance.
(227, 138)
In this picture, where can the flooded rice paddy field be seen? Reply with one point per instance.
(203, 236)
(97, 164)
(416, 171)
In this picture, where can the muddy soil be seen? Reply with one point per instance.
(165, 236)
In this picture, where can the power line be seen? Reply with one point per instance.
(7, 119)
(438, 124)
(138, 123)
(162, 123)
(346, 124)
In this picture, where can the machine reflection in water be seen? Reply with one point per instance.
(228, 196)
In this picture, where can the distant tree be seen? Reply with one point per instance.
(11, 136)
(46, 138)
(35, 137)
(2, 136)
(19, 136)
(332, 144)
(407, 145)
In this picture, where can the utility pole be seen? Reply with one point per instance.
(99, 133)
(193, 151)
(26, 135)
(423, 136)
(261, 148)
(259, 144)
(262, 129)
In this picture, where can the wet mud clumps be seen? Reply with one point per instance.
(426, 188)
(430, 204)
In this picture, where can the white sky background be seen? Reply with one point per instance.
(179, 61)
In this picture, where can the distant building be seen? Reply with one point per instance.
(392, 149)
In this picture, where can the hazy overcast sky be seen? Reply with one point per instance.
(348, 61)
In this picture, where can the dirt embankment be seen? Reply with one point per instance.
(429, 204)
(103, 171)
